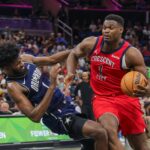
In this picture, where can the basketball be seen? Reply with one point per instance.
(130, 81)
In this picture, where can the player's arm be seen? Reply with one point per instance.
(135, 61)
(46, 60)
(81, 50)
(35, 113)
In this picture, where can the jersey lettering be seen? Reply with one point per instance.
(35, 80)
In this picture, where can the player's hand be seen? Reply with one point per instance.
(68, 79)
(55, 69)
(142, 91)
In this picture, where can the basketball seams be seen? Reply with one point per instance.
(128, 90)
(133, 81)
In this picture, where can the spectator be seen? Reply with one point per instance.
(60, 39)
(146, 55)
(60, 82)
(92, 27)
(4, 108)
(84, 94)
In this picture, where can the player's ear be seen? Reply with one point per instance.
(121, 30)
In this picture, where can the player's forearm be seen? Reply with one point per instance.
(61, 56)
(41, 108)
(53, 59)
(72, 62)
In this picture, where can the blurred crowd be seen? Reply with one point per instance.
(123, 4)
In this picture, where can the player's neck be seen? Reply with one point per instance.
(112, 46)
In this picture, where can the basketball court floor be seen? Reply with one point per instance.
(54, 148)
(75, 146)
(70, 147)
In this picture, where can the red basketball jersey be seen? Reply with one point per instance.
(106, 69)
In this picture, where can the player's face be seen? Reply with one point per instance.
(18, 68)
(112, 31)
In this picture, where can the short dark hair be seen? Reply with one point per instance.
(116, 18)
(9, 52)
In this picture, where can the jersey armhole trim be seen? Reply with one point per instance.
(123, 64)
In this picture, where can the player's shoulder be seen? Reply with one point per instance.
(12, 85)
(132, 50)
(90, 39)
(88, 43)
(133, 55)
(14, 88)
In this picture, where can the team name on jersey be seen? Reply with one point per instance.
(103, 60)
(35, 79)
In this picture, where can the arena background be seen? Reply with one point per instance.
(44, 27)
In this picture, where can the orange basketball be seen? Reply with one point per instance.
(130, 81)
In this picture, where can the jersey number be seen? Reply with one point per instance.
(100, 68)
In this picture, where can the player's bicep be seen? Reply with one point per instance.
(135, 60)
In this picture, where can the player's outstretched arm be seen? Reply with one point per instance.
(35, 113)
(46, 60)
(81, 50)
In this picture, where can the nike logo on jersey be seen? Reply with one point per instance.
(116, 57)
(96, 52)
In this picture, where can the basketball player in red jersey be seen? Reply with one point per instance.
(110, 58)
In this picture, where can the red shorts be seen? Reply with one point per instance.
(127, 110)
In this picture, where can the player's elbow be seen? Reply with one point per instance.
(75, 55)
(35, 119)
(78, 53)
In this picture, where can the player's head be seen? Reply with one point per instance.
(112, 28)
(10, 61)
